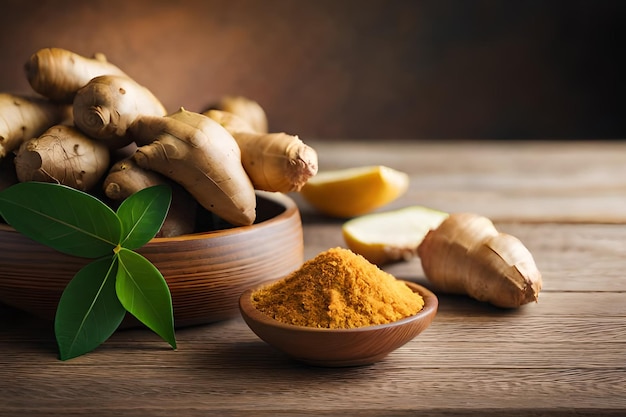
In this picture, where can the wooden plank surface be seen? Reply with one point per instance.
(472, 357)
(531, 181)
(565, 355)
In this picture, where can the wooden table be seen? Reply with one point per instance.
(564, 356)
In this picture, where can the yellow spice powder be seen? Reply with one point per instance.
(338, 289)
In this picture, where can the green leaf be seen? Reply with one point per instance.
(143, 292)
(89, 310)
(61, 217)
(142, 215)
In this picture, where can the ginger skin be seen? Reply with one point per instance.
(199, 154)
(230, 121)
(58, 74)
(467, 255)
(108, 105)
(274, 161)
(126, 178)
(23, 118)
(63, 155)
(247, 109)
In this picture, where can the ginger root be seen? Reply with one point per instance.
(58, 74)
(108, 105)
(23, 118)
(64, 155)
(199, 154)
(126, 178)
(230, 121)
(273, 161)
(247, 109)
(94, 114)
(467, 255)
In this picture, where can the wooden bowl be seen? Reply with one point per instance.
(339, 347)
(206, 272)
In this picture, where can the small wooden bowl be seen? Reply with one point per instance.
(339, 347)
(206, 272)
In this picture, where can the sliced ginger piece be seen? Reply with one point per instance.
(354, 191)
(393, 235)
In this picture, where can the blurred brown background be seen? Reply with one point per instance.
(363, 69)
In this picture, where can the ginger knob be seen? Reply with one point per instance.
(467, 255)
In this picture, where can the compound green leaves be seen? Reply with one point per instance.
(119, 280)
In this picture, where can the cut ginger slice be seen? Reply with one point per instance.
(391, 236)
(354, 191)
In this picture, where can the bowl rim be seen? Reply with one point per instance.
(290, 208)
(247, 309)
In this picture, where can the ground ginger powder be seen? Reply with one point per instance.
(338, 289)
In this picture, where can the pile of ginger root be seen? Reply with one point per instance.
(88, 125)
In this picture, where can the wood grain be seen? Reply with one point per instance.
(484, 360)
(563, 356)
(534, 181)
